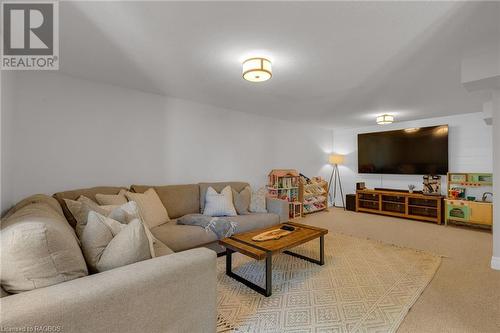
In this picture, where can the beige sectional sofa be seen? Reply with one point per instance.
(181, 200)
(173, 293)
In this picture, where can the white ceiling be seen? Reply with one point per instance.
(334, 63)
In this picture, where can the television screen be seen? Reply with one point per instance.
(412, 151)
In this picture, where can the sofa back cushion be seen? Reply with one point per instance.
(179, 200)
(38, 247)
(237, 186)
(87, 192)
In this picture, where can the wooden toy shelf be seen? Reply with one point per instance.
(314, 196)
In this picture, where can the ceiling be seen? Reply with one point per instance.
(335, 64)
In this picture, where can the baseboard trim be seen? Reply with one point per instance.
(495, 263)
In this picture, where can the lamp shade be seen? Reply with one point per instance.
(257, 70)
(336, 159)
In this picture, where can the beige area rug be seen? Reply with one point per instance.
(365, 286)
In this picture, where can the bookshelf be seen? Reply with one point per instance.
(313, 195)
(284, 184)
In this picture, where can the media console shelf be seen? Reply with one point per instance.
(413, 206)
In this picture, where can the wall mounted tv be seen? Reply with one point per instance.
(412, 151)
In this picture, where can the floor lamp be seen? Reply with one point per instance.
(335, 160)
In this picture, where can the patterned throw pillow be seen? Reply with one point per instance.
(258, 201)
(219, 204)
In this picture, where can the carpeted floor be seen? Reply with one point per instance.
(364, 286)
(464, 295)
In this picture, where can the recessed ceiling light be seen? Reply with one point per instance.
(385, 119)
(257, 69)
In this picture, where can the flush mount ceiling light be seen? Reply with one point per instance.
(257, 69)
(385, 119)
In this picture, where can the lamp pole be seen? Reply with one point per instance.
(336, 175)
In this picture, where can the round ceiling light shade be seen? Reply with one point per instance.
(385, 119)
(257, 70)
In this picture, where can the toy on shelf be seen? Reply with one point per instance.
(284, 185)
(461, 183)
(432, 185)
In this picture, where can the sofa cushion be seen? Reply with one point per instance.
(108, 244)
(219, 204)
(242, 200)
(238, 186)
(111, 199)
(253, 221)
(36, 198)
(183, 237)
(38, 249)
(87, 192)
(150, 206)
(179, 200)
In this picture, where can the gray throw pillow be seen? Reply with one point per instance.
(242, 200)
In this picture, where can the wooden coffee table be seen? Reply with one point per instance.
(244, 244)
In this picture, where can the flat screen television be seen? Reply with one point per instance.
(412, 151)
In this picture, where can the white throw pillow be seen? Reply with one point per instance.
(152, 210)
(112, 199)
(219, 204)
(258, 201)
(130, 211)
(108, 244)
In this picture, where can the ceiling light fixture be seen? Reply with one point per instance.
(257, 69)
(385, 119)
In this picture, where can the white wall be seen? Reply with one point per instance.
(495, 260)
(7, 106)
(66, 133)
(470, 150)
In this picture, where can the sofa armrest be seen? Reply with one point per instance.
(173, 293)
(278, 206)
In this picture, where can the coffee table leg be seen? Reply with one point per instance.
(269, 275)
(267, 291)
(321, 260)
(322, 250)
(229, 261)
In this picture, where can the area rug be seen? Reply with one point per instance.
(365, 286)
